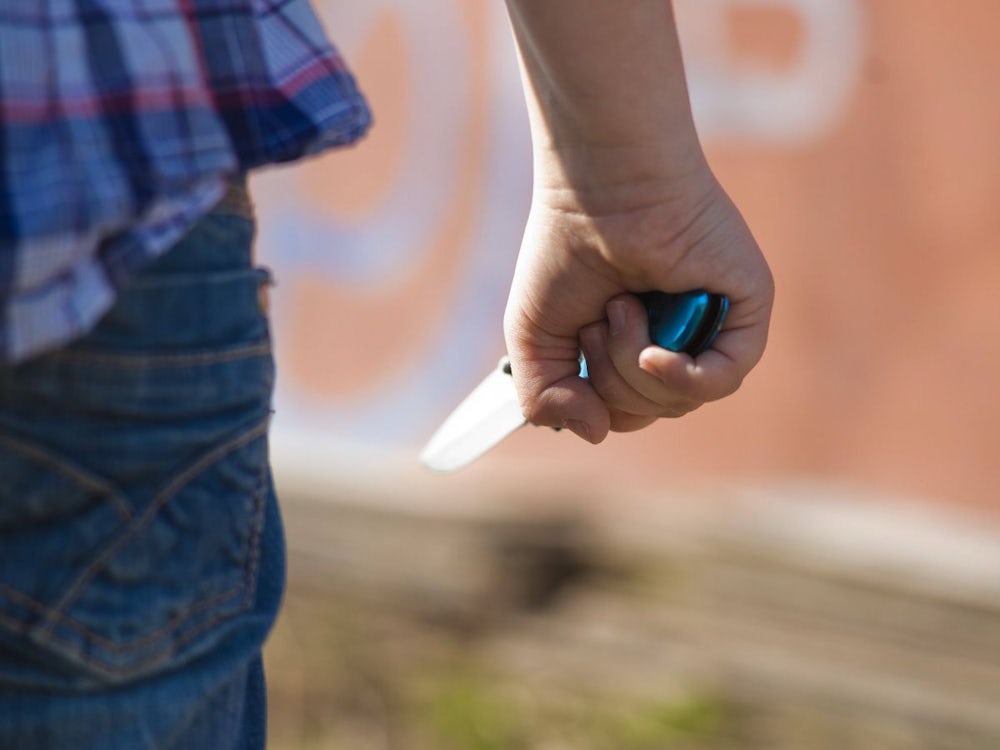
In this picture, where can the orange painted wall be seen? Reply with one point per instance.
(868, 166)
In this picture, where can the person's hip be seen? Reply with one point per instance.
(135, 473)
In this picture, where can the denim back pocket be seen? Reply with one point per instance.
(133, 492)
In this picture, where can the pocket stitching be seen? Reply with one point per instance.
(63, 619)
(247, 588)
(105, 670)
(74, 473)
(57, 613)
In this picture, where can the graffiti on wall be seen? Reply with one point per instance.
(393, 259)
(786, 79)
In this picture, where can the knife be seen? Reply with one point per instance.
(687, 322)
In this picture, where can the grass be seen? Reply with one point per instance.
(347, 677)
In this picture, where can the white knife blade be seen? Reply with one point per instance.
(484, 418)
(687, 322)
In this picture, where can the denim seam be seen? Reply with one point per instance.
(58, 611)
(141, 360)
(15, 625)
(247, 590)
(63, 619)
(108, 672)
(256, 531)
(244, 590)
(248, 587)
(74, 473)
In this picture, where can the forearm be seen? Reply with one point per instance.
(623, 202)
(606, 93)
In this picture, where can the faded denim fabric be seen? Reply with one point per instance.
(141, 551)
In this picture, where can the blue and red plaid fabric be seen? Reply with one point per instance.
(120, 123)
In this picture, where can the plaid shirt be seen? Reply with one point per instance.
(120, 122)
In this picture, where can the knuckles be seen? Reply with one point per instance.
(535, 412)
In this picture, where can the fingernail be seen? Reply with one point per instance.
(647, 365)
(649, 369)
(616, 317)
(578, 428)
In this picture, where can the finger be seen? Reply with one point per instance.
(709, 377)
(611, 386)
(622, 422)
(629, 345)
(715, 373)
(552, 393)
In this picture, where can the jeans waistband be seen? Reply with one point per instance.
(197, 309)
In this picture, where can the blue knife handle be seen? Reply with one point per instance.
(687, 322)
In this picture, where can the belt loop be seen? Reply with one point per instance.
(264, 290)
(236, 200)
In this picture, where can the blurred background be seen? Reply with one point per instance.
(810, 563)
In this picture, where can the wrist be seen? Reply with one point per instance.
(606, 93)
(602, 179)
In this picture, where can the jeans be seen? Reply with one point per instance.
(141, 550)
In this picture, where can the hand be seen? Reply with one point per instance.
(623, 202)
(582, 255)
